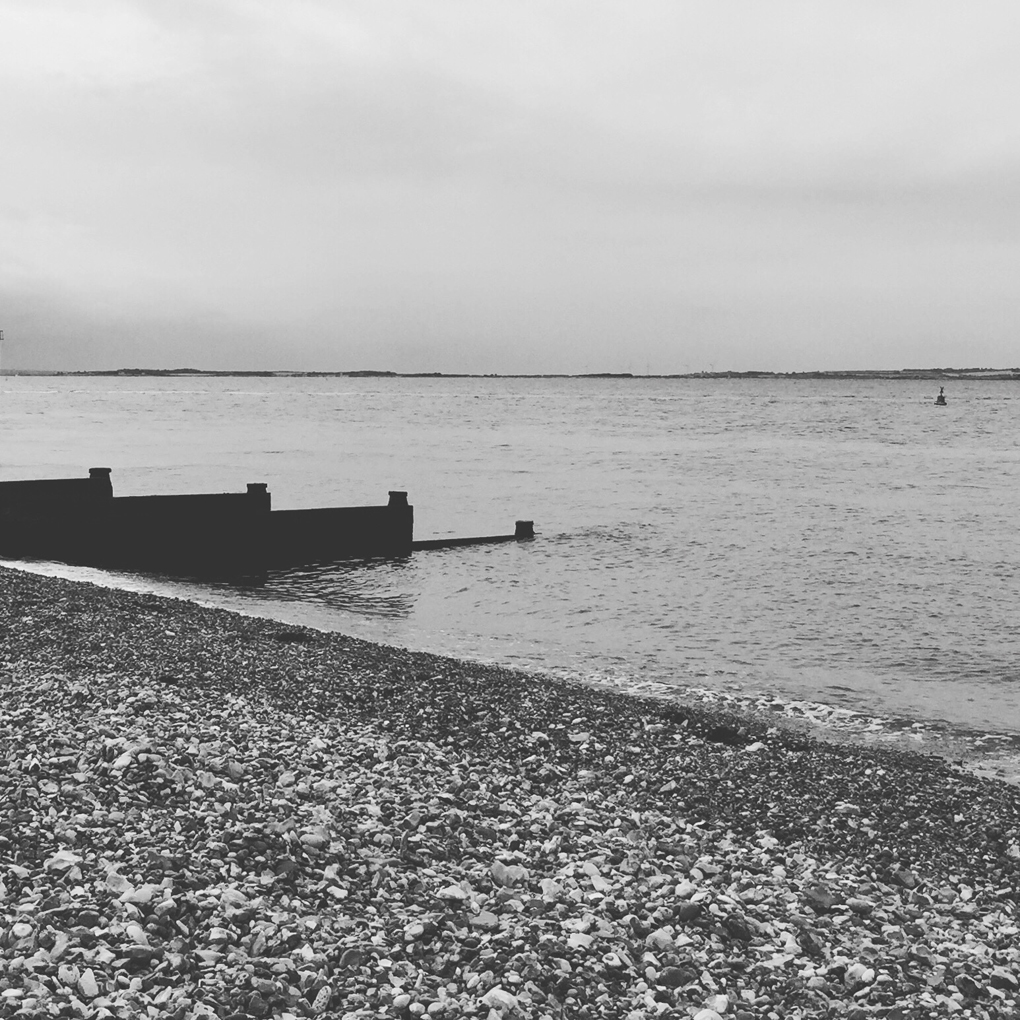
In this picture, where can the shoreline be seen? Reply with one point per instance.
(260, 819)
(987, 753)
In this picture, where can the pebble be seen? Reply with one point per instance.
(87, 984)
(858, 975)
(499, 999)
(674, 977)
(224, 824)
(1004, 979)
(660, 939)
(685, 890)
(485, 920)
(968, 986)
(860, 906)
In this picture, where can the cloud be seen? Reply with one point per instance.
(523, 186)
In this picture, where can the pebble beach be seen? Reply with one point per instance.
(204, 814)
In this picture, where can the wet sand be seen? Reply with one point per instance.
(210, 814)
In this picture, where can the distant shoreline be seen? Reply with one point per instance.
(903, 373)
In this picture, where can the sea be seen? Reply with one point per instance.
(834, 553)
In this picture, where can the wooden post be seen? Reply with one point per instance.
(101, 483)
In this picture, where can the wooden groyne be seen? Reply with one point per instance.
(295, 537)
(79, 520)
(522, 530)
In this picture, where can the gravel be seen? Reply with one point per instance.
(204, 814)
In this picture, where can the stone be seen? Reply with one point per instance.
(858, 975)
(508, 875)
(922, 955)
(685, 890)
(676, 977)
(62, 860)
(485, 920)
(145, 893)
(87, 984)
(687, 912)
(350, 959)
(1004, 979)
(860, 906)
(257, 1006)
(820, 898)
(498, 998)
(551, 889)
(968, 987)
(739, 928)
(454, 895)
(68, 975)
(316, 839)
(320, 1003)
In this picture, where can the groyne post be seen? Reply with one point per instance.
(101, 483)
(259, 495)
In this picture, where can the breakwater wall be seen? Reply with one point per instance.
(334, 533)
(522, 530)
(55, 518)
(79, 520)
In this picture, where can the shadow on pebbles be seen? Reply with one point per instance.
(203, 814)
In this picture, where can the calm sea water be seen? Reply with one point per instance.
(832, 541)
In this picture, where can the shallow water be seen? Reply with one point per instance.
(833, 541)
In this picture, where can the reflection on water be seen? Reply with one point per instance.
(362, 587)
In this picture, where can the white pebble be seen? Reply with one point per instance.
(87, 984)
(497, 998)
(659, 939)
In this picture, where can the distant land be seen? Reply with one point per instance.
(903, 373)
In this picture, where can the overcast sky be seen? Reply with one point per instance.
(509, 186)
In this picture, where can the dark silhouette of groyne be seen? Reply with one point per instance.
(80, 521)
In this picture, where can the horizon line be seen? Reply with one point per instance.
(934, 372)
